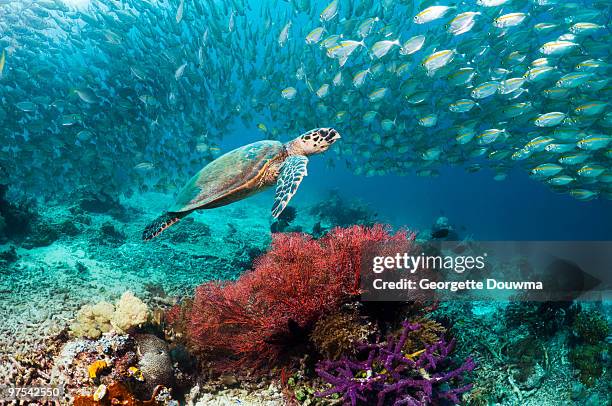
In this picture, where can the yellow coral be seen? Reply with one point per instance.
(135, 373)
(92, 321)
(129, 312)
(95, 368)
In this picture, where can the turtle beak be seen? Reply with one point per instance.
(332, 135)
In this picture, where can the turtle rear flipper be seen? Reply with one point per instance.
(160, 224)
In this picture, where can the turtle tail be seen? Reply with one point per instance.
(160, 224)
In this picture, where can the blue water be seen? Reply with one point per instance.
(517, 208)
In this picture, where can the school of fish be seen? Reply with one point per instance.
(132, 95)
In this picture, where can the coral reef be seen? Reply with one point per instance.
(135, 368)
(588, 359)
(591, 351)
(41, 235)
(118, 394)
(98, 202)
(540, 318)
(335, 211)
(526, 354)
(110, 235)
(386, 374)
(337, 334)
(257, 319)
(529, 354)
(590, 327)
(191, 232)
(15, 218)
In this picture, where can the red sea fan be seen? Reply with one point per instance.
(251, 322)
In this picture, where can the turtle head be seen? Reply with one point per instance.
(313, 142)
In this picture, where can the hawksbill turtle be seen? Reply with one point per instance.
(245, 171)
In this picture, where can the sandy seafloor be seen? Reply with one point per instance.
(41, 292)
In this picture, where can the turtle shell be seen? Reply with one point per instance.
(231, 177)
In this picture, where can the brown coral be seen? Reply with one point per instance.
(155, 363)
(336, 334)
(429, 334)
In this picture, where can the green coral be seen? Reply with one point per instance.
(588, 360)
(591, 327)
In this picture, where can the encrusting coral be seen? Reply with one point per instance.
(116, 394)
(93, 320)
(96, 367)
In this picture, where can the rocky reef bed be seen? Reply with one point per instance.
(87, 305)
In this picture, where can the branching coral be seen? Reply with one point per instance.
(388, 375)
(429, 333)
(337, 334)
(591, 327)
(250, 322)
(588, 361)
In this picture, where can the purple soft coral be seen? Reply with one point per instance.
(394, 378)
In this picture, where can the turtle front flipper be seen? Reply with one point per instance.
(292, 172)
(160, 224)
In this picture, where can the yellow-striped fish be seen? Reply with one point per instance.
(2, 61)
